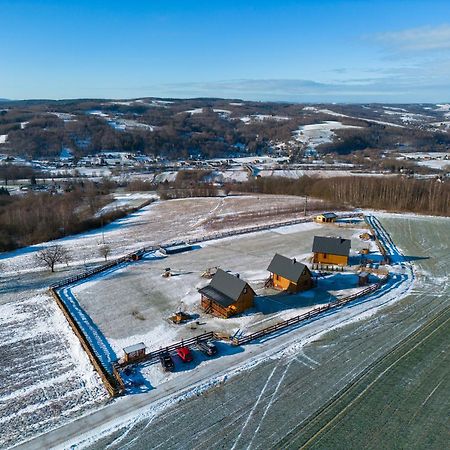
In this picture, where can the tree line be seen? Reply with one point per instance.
(396, 193)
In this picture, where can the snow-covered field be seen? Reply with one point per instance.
(437, 160)
(46, 377)
(51, 370)
(256, 384)
(319, 133)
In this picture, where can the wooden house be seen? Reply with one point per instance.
(226, 295)
(289, 275)
(328, 217)
(134, 352)
(331, 250)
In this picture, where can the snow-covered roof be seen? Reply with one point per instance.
(134, 348)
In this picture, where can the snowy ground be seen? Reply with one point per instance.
(151, 299)
(20, 306)
(261, 393)
(319, 133)
(46, 376)
(159, 222)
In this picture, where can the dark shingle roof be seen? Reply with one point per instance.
(286, 267)
(328, 215)
(331, 245)
(224, 288)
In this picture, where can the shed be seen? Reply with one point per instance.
(134, 352)
(178, 248)
(226, 295)
(331, 250)
(326, 217)
(289, 274)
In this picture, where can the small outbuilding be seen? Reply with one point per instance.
(226, 295)
(134, 352)
(331, 250)
(327, 217)
(289, 275)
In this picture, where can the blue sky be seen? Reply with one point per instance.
(307, 51)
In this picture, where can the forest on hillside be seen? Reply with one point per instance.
(196, 128)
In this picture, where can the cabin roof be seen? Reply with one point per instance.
(331, 245)
(329, 215)
(134, 348)
(286, 267)
(224, 288)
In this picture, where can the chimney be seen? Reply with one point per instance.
(238, 276)
(294, 260)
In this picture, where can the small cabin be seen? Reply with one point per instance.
(226, 295)
(331, 250)
(328, 217)
(134, 352)
(289, 275)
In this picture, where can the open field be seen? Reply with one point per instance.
(152, 299)
(46, 378)
(400, 401)
(161, 221)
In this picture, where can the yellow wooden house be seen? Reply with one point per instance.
(289, 275)
(331, 250)
(226, 295)
(328, 217)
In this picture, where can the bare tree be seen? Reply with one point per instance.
(104, 251)
(53, 255)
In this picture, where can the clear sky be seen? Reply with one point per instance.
(311, 51)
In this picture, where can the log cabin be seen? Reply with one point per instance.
(226, 295)
(328, 217)
(331, 250)
(289, 275)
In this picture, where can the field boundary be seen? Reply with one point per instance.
(112, 381)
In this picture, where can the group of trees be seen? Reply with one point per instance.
(395, 193)
(39, 217)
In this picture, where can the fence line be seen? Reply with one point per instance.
(306, 316)
(113, 382)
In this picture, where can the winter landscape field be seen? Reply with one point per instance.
(417, 291)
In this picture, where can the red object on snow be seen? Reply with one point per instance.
(185, 354)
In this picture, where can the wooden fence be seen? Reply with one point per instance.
(113, 381)
(155, 354)
(112, 384)
(306, 316)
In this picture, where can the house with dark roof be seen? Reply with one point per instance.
(326, 217)
(331, 250)
(226, 295)
(289, 274)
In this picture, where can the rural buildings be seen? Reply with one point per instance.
(326, 218)
(134, 352)
(226, 295)
(330, 250)
(289, 275)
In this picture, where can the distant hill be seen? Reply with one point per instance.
(214, 127)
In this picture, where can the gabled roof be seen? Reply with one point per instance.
(286, 267)
(329, 215)
(134, 348)
(224, 288)
(331, 245)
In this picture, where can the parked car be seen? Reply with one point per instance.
(185, 354)
(167, 362)
(208, 348)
